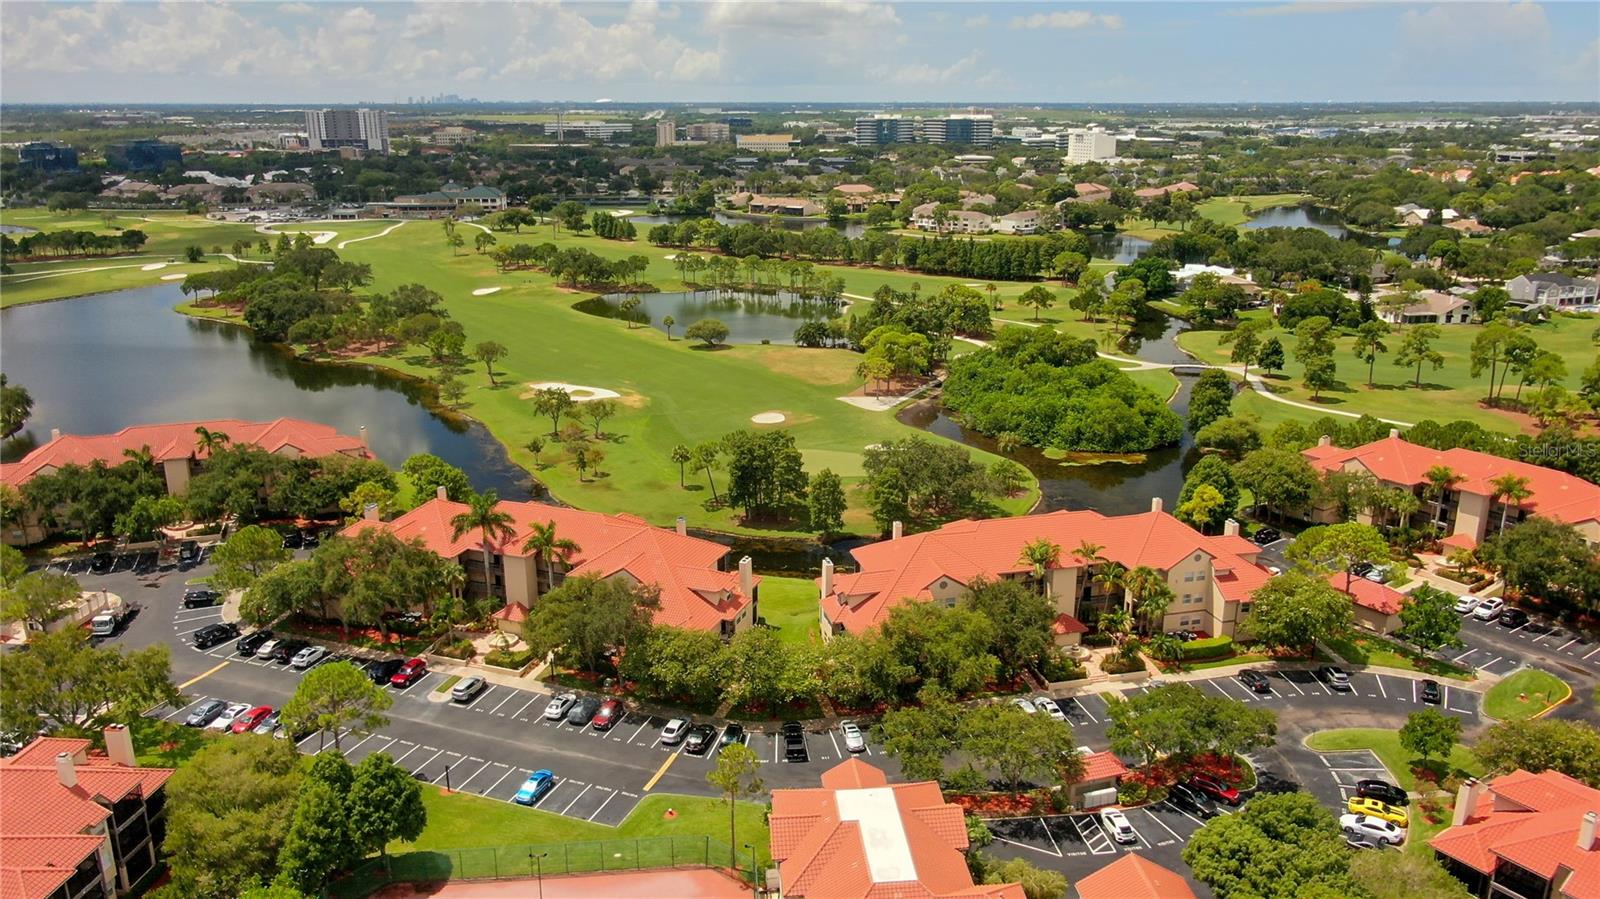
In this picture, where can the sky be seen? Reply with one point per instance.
(845, 51)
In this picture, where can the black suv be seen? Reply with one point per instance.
(1513, 618)
(1383, 791)
(1255, 680)
(699, 738)
(212, 634)
(288, 649)
(733, 733)
(249, 643)
(794, 742)
(1265, 536)
(381, 670)
(1430, 692)
(200, 597)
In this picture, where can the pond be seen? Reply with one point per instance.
(1117, 247)
(750, 317)
(100, 363)
(1325, 220)
(851, 229)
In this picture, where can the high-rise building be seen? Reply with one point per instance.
(1087, 144)
(708, 132)
(976, 130)
(143, 155)
(879, 130)
(587, 128)
(666, 133)
(334, 129)
(48, 157)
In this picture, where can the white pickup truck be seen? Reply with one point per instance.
(109, 624)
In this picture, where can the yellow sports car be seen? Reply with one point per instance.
(1362, 806)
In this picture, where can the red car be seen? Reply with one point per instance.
(411, 672)
(247, 721)
(610, 713)
(1214, 788)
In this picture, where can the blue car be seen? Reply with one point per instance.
(537, 784)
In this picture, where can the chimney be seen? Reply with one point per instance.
(1467, 796)
(1586, 831)
(1394, 433)
(1155, 504)
(440, 492)
(55, 434)
(683, 526)
(363, 435)
(119, 745)
(65, 772)
(827, 578)
(1324, 440)
(370, 512)
(1230, 528)
(896, 531)
(747, 578)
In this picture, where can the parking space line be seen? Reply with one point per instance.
(414, 748)
(518, 713)
(836, 752)
(586, 788)
(1413, 688)
(1085, 709)
(474, 774)
(1591, 652)
(1168, 804)
(478, 697)
(1549, 633)
(1491, 662)
(511, 695)
(642, 726)
(1380, 686)
(1319, 682)
(1057, 853)
(496, 785)
(1563, 647)
(424, 766)
(1463, 655)
(603, 805)
(359, 745)
(1152, 816)
(1291, 683)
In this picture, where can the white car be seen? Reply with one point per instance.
(1369, 828)
(224, 721)
(1489, 609)
(1118, 826)
(1465, 603)
(309, 656)
(557, 709)
(672, 734)
(854, 739)
(1024, 705)
(265, 650)
(1049, 707)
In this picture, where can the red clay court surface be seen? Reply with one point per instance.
(692, 884)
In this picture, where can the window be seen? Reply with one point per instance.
(1188, 576)
(1200, 576)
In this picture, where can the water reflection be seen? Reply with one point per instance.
(750, 317)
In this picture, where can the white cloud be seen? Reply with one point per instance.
(296, 9)
(980, 21)
(1071, 18)
(812, 20)
(1309, 7)
(472, 73)
(964, 71)
(1466, 26)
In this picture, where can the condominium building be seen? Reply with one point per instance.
(708, 132)
(666, 133)
(766, 143)
(1524, 835)
(1087, 145)
(588, 129)
(879, 130)
(1555, 290)
(48, 157)
(976, 130)
(337, 129)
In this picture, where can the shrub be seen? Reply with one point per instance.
(1098, 639)
(966, 779)
(499, 658)
(1122, 663)
(1057, 667)
(459, 648)
(1208, 648)
(1132, 792)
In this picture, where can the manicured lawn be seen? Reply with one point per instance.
(790, 605)
(1542, 689)
(1364, 649)
(1385, 744)
(165, 744)
(1223, 210)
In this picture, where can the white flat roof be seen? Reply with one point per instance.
(883, 833)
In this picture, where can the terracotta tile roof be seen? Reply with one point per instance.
(962, 551)
(1134, 877)
(1102, 765)
(1556, 494)
(858, 837)
(1365, 593)
(177, 441)
(1532, 821)
(1460, 541)
(694, 594)
(1066, 624)
(36, 866)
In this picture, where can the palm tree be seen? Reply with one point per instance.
(1142, 582)
(208, 441)
(543, 543)
(1116, 621)
(484, 516)
(1153, 605)
(1041, 555)
(1088, 553)
(1109, 575)
(1510, 490)
(142, 456)
(1441, 480)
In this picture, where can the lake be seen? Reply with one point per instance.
(1325, 220)
(851, 229)
(751, 318)
(100, 363)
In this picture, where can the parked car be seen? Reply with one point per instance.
(1335, 677)
(699, 738)
(537, 784)
(609, 713)
(1185, 796)
(1489, 609)
(1118, 826)
(225, 718)
(249, 643)
(1049, 707)
(1383, 791)
(270, 724)
(1465, 603)
(268, 648)
(1024, 705)
(582, 710)
(468, 687)
(1429, 692)
(1361, 569)
(286, 650)
(109, 624)
(251, 719)
(854, 739)
(1373, 829)
(1376, 808)
(204, 713)
(293, 540)
(212, 634)
(1359, 842)
(200, 598)
(308, 657)
(102, 563)
(382, 671)
(1264, 536)
(672, 734)
(1255, 680)
(558, 706)
(412, 671)
(1214, 788)
(794, 742)
(1513, 618)
(733, 733)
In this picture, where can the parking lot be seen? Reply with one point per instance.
(1500, 650)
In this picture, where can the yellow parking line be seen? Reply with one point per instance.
(193, 680)
(660, 771)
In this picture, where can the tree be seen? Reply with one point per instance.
(1210, 399)
(456, 242)
(1314, 338)
(1089, 299)
(1016, 746)
(544, 544)
(1340, 547)
(1429, 733)
(1369, 345)
(427, 473)
(483, 241)
(921, 736)
(318, 842)
(1039, 297)
(493, 526)
(1037, 882)
(825, 502)
(1320, 374)
(737, 774)
(1509, 490)
(951, 646)
(1279, 479)
(676, 664)
(1040, 556)
(1023, 620)
(1182, 721)
(209, 442)
(1246, 342)
(1403, 875)
(16, 404)
(667, 322)
(1283, 844)
(586, 616)
(66, 685)
(862, 671)
(246, 555)
(1233, 436)
(1203, 507)
(39, 599)
(1542, 744)
(384, 804)
(1416, 347)
(760, 669)
(488, 352)
(1549, 559)
(337, 698)
(1213, 472)
(1271, 356)
(1293, 609)
(597, 411)
(708, 331)
(682, 456)
(1428, 619)
(221, 841)
(704, 457)
(766, 473)
(553, 402)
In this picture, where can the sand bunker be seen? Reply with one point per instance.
(485, 291)
(578, 392)
(769, 418)
(173, 277)
(153, 267)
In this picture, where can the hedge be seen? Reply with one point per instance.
(1208, 648)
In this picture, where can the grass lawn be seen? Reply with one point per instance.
(1363, 649)
(790, 605)
(1385, 744)
(166, 744)
(1223, 210)
(1543, 690)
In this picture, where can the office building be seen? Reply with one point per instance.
(337, 129)
(766, 143)
(666, 133)
(975, 130)
(1087, 145)
(143, 155)
(879, 130)
(588, 129)
(708, 132)
(48, 157)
